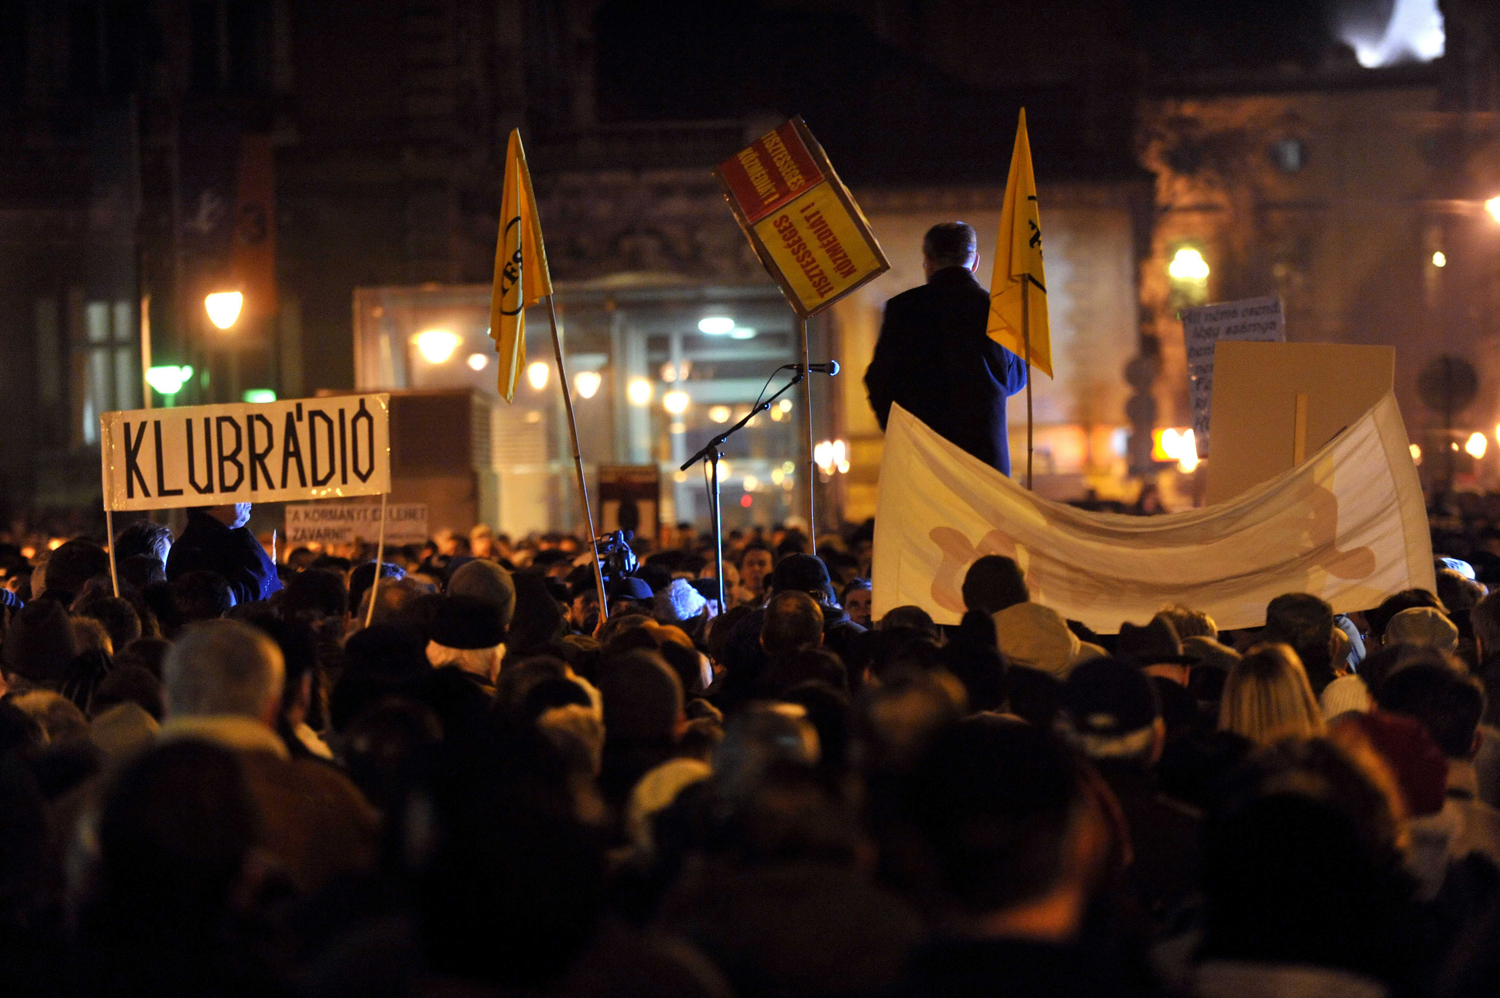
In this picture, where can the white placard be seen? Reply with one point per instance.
(348, 522)
(208, 455)
(1258, 319)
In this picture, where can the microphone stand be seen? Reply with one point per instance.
(711, 453)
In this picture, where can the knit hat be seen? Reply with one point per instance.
(1424, 627)
(1037, 637)
(1417, 761)
(679, 602)
(1108, 698)
(1345, 694)
(466, 622)
(489, 582)
(1154, 644)
(803, 573)
(39, 644)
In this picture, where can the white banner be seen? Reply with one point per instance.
(1257, 319)
(207, 455)
(1348, 524)
(347, 522)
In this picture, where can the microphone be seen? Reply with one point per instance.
(831, 368)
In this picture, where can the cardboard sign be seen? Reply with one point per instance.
(348, 522)
(208, 455)
(1254, 319)
(1276, 404)
(800, 218)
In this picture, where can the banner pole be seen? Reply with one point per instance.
(109, 529)
(1026, 337)
(583, 488)
(379, 557)
(812, 465)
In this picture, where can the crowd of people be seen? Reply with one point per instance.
(240, 777)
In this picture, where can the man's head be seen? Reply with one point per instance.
(202, 596)
(143, 538)
(803, 573)
(74, 564)
(1113, 712)
(224, 667)
(756, 562)
(1007, 818)
(465, 631)
(949, 244)
(1446, 703)
(316, 594)
(1305, 622)
(993, 583)
(793, 622)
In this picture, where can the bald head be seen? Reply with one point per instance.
(223, 667)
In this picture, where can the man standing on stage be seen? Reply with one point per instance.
(934, 358)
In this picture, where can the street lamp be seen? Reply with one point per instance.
(224, 308)
(436, 345)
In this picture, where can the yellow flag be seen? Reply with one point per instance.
(1018, 265)
(521, 277)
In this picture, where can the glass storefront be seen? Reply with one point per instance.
(657, 370)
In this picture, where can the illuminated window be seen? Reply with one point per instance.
(113, 379)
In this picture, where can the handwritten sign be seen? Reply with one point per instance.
(208, 455)
(1255, 319)
(348, 522)
(800, 218)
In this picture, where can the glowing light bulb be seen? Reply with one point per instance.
(1187, 453)
(1416, 452)
(436, 345)
(639, 392)
(536, 373)
(1493, 207)
(1440, 259)
(1188, 265)
(676, 402)
(224, 307)
(715, 325)
(720, 414)
(478, 362)
(1476, 445)
(586, 383)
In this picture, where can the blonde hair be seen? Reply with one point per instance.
(1267, 697)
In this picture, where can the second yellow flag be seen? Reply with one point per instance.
(1018, 265)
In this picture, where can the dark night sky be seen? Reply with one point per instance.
(877, 99)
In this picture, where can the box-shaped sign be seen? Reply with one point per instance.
(800, 218)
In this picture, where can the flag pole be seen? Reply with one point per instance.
(583, 488)
(109, 529)
(812, 463)
(1026, 338)
(379, 557)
